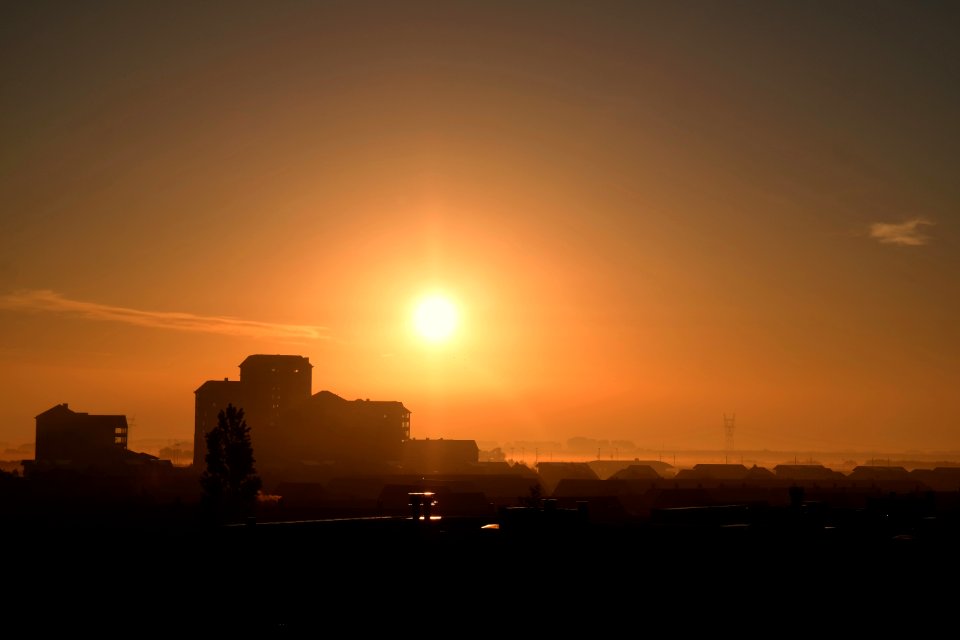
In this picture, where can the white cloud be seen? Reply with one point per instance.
(909, 233)
(53, 302)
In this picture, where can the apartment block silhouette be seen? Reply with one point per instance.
(90, 446)
(268, 385)
(68, 436)
(291, 427)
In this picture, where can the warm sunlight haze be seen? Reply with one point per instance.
(527, 222)
(435, 318)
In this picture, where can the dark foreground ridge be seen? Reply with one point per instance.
(533, 568)
(421, 537)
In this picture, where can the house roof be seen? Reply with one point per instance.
(266, 357)
(637, 471)
(209, 384)
(59, 409)
(63, 410)
(609, 468)
(552, 472)
(557, 470)
(759, 473)
(715, 471)
(879, 471)
(327, 396)
(440, 443)
(801, 471)
(384, 404)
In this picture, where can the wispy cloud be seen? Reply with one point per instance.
(53, 302)
(908, 233)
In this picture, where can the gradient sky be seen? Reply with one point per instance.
(649, 213)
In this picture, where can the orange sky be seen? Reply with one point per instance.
(650, 215)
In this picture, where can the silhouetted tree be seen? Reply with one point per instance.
(230, 482)
(535, 498)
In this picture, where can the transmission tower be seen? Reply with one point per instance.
(729, 422)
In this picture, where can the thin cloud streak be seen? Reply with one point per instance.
(907, 233)
(53, 302)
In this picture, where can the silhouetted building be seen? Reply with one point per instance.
(440, 456)
(210, 399)
(68, 437)
(807, 472)
(757, 474)
(551, 473)
(878, 473)
(609, 468)
(708, 471)
(939, 478)
(272, 384)
(329, 430)
(636, 472)
(885, 478)
(296, 434)
(268, 385)
(86, 454)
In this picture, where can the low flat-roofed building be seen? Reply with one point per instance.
(440, 456)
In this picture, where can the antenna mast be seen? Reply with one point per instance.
(729, 422)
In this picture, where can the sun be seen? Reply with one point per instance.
(435, 318)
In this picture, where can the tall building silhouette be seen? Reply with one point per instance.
(272, 385)
(268, 385)
(210, 398)
(290, 428)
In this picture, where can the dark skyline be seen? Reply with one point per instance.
(444, 528)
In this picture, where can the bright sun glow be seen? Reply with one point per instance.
(435, 318)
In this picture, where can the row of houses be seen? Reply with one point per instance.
(636, 491)
(887, 477)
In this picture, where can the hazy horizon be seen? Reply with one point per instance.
(642, 216)
(531, 453)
